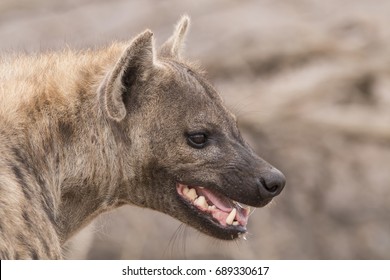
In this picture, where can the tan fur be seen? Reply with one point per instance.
(85, 132)
(39, 95)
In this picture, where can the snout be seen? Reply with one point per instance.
(271, 183)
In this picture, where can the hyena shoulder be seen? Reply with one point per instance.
(40, 95)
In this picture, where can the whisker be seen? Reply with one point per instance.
(236, 241)
(184, 240)
(253, 209)
(172, 246)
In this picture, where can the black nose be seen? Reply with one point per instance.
(271, 183)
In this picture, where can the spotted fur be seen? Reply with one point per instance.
(83, 132)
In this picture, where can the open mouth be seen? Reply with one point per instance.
(221, 210)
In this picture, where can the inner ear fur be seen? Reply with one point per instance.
(173, 47)
(135, 63)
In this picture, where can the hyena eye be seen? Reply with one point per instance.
(197, 140)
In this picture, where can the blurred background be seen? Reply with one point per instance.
(310, 84)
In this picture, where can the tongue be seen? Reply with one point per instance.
(224, 206)
(220, 201)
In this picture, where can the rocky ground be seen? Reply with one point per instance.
(309, 81)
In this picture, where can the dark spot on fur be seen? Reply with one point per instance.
(38, 178)
(46, 201)
(4, 255)
(119, 132)
(20, 178)
(48, 211)
(34, 254)
(45, 246)
(18, 155)
(17, 173)
(46, 196)
(21, 238)
(57, 160)
(86, 74)
(93, 139)
(27, 219)
(29, 223)
(82, 99)
(65, 130)
(24, 241)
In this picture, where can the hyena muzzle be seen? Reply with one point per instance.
(85, 132)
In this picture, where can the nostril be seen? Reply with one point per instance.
(272, 183)
(265, 184)
(272, 188)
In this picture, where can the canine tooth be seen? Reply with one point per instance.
(185, 190)
(192, 194)
(235, 223)
(230, 218)
(201, 202)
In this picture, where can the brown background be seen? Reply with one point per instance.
(309, 81)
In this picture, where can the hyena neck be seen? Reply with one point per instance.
(91, 180)
(95, 181)
(79, 153)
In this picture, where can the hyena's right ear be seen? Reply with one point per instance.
(135, 64)
(174, 45)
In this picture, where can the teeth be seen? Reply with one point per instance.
(191, 194)
(185, 190)
(230, 218)
(201, 202)
(212, 207)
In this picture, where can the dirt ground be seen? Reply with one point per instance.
(309, 81)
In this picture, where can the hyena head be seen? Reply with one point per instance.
(182, 147)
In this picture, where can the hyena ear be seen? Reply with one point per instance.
(174, 45)
(135, 64)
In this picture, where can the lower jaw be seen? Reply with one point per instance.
(226, 233)
(207, 225)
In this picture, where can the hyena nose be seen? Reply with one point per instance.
(271, 183)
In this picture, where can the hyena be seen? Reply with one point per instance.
(88, 131)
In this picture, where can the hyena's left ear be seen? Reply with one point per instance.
(174, 45)
(135, 64)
